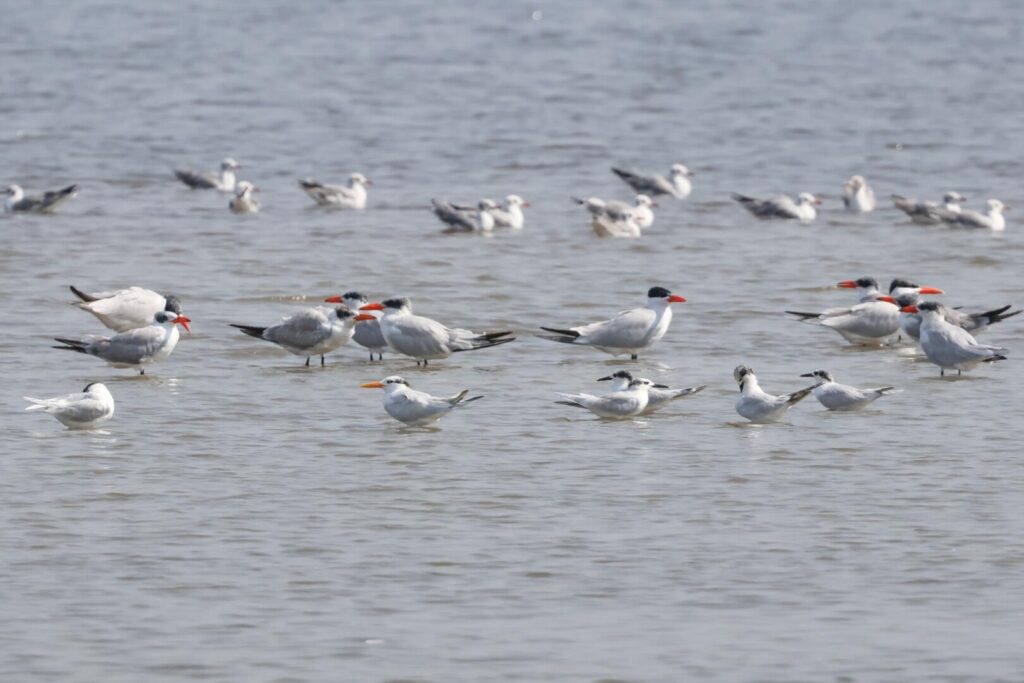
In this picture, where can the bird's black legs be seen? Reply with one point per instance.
(371, 356)
(142, 371)
(942, 373)
(321, 360)
(959, 372)
(307, 361)
(633, 357)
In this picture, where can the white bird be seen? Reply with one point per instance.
(93, 406)
(458, 219)
(782, 206)
(975, 323)
(610, 219)
(135, 348)
(244, 201)
(629, 332)
(658, 395)
(629, 402)
(367, 333)
(416, 408)
(223, 181)
(843, 397)
(350, 196)
(677, 184)
(858, 196)
(425, 339)
(951, 347)
(42, 203)
(992, 219)
(928, 213)
(758, 406)
(126, 309)
(510, 213)
(312, 332)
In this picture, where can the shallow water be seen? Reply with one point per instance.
(245, 518)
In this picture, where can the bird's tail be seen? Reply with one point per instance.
(571, 403)
(88, 297)
(882, 391)
(487, 344)
(71, 344)
(801, 316)
(460, 399)
(996, 315)
(995, 357)
(69, 190)
(250, 330)
(690, 391)
(565, 333)
(309, 184)
(798, 396)
(741, 198)
(37, 403)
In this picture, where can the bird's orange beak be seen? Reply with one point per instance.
(372, 307)
(847, 284)
(676, 299)
(364, 316)
(336, 299)
(909, 309)
(372, 385)
(931, 290)
(183, 321)
(887, 299)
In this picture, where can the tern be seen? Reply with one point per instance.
(135, 348)
(367, 333)
(677, 184)
(351, 196)
(626, 403)
(43, 203)
(425, 339)
(975, 323)
(312, 332)
(416, 408)
(992, 219)
(244, 201)
(223, 181)
(951, 347)
(465, 220)
(84, 410)
(843, 397)
(858, 196)
(629, 332)
(658, 395)
(928, 213)
(782, 206)
(126, 309)
(758, 406)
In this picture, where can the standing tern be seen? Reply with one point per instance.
(425, 339)
(858, 196)
(458, 219)
(843, 397)
(951, 347)
(928, 213)
(416, 408)
(629, 332)
(85, 410)
(244, 201)
(677, 184)
(126, 309)
(312, 332)
(351, 196)
(975, 323)
(758, 406)
(782, 206)
(43, 203)
(134, 348)
(223, 181)
(367, 333)
(628, 402)
(992, 219)
(658, 396)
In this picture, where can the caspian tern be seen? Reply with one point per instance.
(42, 203)
(367, 333)
(462, 220)
(992, 219)
(223, 181)
(858, 196)
(951, 347)
(928, 213)
(782, 206)
(244, 201)
(350, 196)
(84, 410)
(975, 323)
(658, 395)
(425, 339)
(628, 402)
(416, 408)
(758, 406)
(843, 397)
(629, 332)
(677, 184)
(135, 348)
(126, 309)
(312, 332)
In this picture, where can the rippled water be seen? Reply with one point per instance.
(245, 518)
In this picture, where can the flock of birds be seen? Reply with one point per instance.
(145, 323)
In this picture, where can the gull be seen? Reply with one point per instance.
(367, 333)
(640, 213)
(312, 332)
(758, 406)
(975, 323)
(658, 395)
(510, 213)
(677, 184)
(610, 219)
(843, 397)
(224, 181)
(782, 206)
(628, 402)
(858, 195)
(85, 410)
(351, 196)
(243, 201)
(462, 220)
(928, 213)
(992, 219)
(42, 203)
(134, 348)
(416, 408)
(126, 309)
(629, 332)
(951, 347)
(425, 339)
